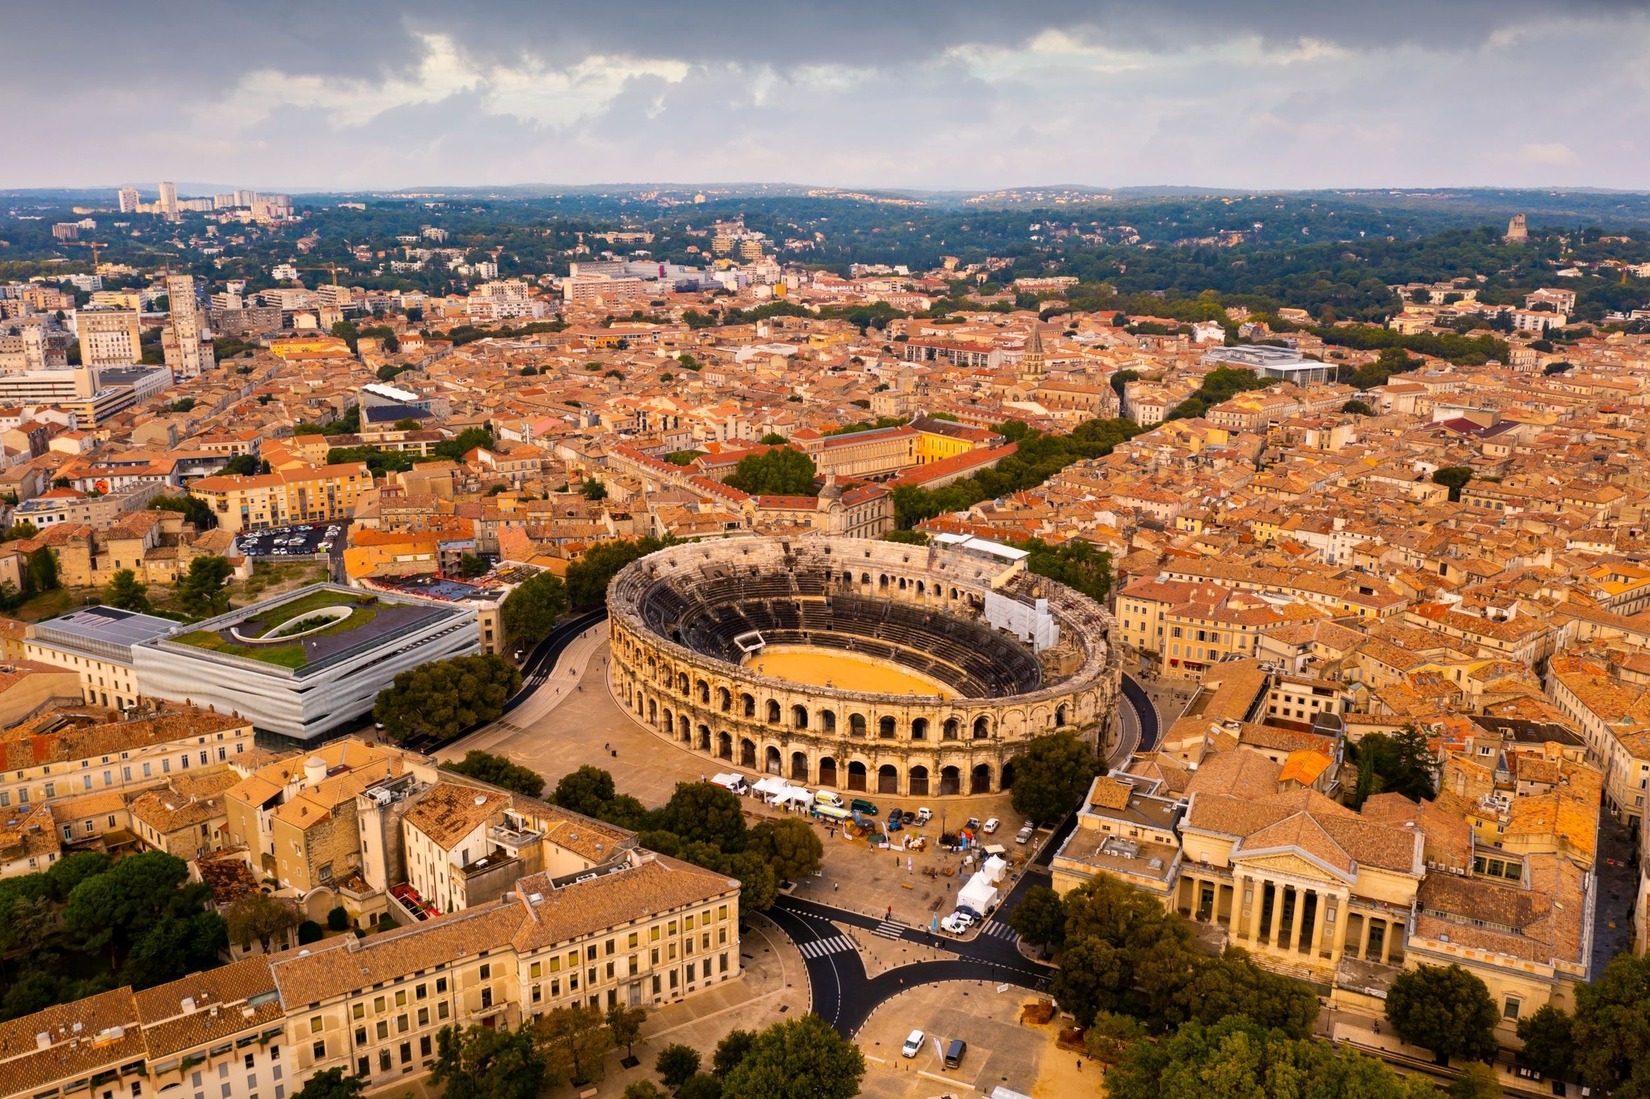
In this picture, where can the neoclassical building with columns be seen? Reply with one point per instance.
(1247, 845)
(994, 657)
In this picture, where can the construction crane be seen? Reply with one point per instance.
(96, 246)
(327, 266)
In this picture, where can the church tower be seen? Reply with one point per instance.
(1031, 365)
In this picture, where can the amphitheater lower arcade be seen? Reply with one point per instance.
(683, 619)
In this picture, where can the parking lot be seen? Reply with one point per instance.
(1001, 1050)
(309, 540)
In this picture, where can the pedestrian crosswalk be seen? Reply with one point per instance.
(999, 930)
(891, 929)
(836, 944)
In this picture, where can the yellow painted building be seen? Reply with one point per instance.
(299, 494)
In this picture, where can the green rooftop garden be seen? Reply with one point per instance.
(288, 618)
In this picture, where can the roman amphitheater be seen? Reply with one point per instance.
(856, 664)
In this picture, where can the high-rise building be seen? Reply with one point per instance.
(108, 337)
(168, 204)
(129, 200)
(186, 342)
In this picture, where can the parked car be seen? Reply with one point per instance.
(973, 824)
(954, 1052)
(1026, 832)
(924, 815)
(893, 822)
(860, 805)
(913, 1044)
(991, 825)
(958, 922)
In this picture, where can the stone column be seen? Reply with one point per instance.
(1297, 922)
(1341, 919)
(1255, 914)
(1386, 942)
(1363, 938)
(1277, 915)
(1317, 925)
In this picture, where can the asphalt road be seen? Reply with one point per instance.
(1145, 714)
(842, 994)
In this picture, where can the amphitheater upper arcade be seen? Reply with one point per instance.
(911, 745)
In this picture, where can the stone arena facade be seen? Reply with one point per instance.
(681, 620)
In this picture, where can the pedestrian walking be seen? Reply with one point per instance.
(1079, 1064)
(890, 913)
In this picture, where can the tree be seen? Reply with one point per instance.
(113, 910)
(676, 1062)
(700, 1086)
(1235, 1057)
(471, 438)
(66, 873)
(708, 813)
(310, 932)
(332, 1083)
(1455, 478)
(443, 698)
(338, 918)
(588, 577)
(1076, 563)
(574, 1041)
(529, 613)
(126, 592)
(1401, 763)
(1231, 984)
(499, 771)
(260, 917)
(173, 948)
(773, 438)
(593, 490)
(643, 1089)
(245, 465)
(1445, 1009)
(804, 1058)
(589, 790)
(1549, 1040)
(1357, 408)
(790, 845)
(41, 569)
(1477, 1081)
(731, 1050)
(201, 592)
(1124, 952)
(20, 530)
(1612, 1027)
(1109, 1037)
(1052, 776)
(1040, 917)
(471, 565)
(193, 508)
(777, 472)
(487, 1063)
(625, 1025)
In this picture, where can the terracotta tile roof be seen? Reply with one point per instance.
(654, 884)
(82, 1040)
(447, 812)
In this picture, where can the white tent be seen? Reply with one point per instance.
(769, 785)
(794, 795)
(980, 894)
(994, 868)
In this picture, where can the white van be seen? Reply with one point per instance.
(825, 797)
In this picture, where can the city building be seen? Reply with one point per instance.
(108, 337)
(304, 684)
(186, 341)
(299, 494)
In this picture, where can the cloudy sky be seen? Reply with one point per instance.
(953, 94)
